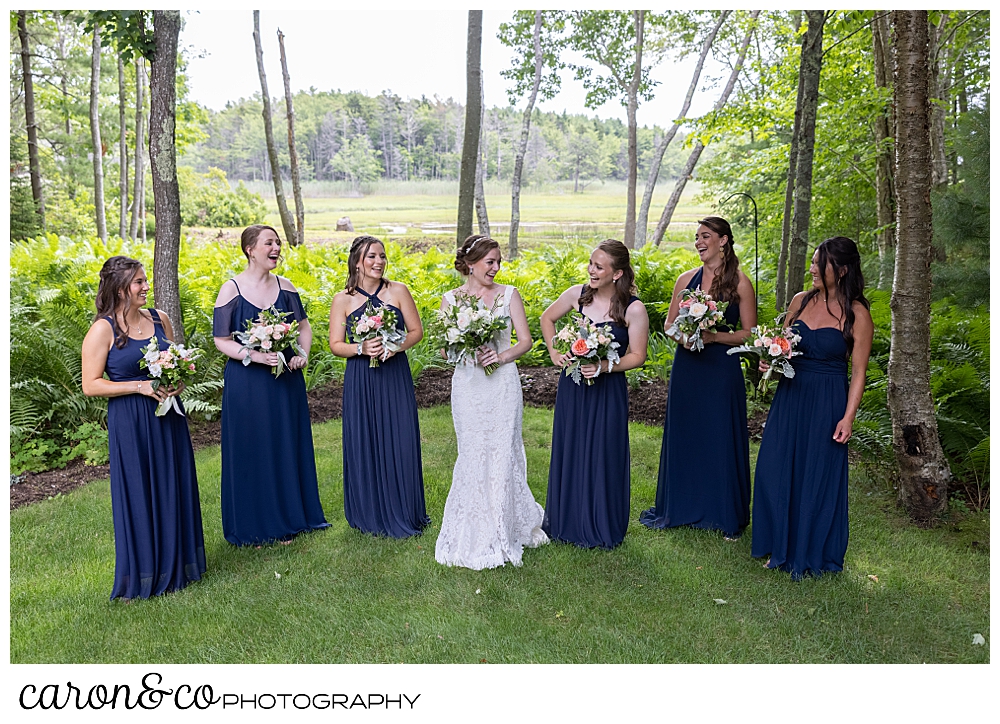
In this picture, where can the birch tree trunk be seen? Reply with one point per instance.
(163, 164)
(482, 217)
(95, 134)
(810, 67)
(639, 19)
(293, 154)
(515, 183)
(657, 160)
(287, 223)
(139, 184)
(885, 235)
(34, 167)
(924, 472)
(473, 120)
(122, 155)
(940, 82)
(675, 197)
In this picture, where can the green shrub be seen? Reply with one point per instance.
(208, 200)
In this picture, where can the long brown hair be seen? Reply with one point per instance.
(624, 286)
(725, 284)
(842, 254)
(359, 247)
(112, 294)
(473, 249)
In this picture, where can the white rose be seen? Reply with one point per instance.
(152, 355)
(364, 325)
(774, 350)
(464, 318)
(155, 370)
(758, 343)
(266, 344)
(697, 310)
(453, 335)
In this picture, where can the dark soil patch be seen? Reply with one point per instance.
(646, 404)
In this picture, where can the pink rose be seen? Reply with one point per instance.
(377, 320)
(686, 303)
(191, 367)
(712, 305)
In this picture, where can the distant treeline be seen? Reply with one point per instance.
(358, 138)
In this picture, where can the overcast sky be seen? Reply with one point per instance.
(411, 51)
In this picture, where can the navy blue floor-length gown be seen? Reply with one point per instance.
(383, 474)
(589, 485)
(800, 484)
(159, 546)
(269, 487)
(704, 478)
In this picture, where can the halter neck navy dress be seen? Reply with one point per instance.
(383, 473)
(269, 488)
(704, 478)
(159, 546)
(588, 496)
(800, 484)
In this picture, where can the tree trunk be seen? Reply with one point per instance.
(95, 134)
(515, 184)
(473, 120)
(481, 216)
(34, 168)
(810, 66)
(781, 283)
(138, 186)
(122, 155)
(884, 199)
(675, 197)
(163, 164)
(287, 223)
(639, 19)
(924, 472)
(654, 168)
(293, 154)
(940, 82)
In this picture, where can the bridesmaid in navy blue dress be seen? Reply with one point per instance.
(269, 488)
(800, 485)
(589, 484)
(154, 489)
(383, 474)
(704, 478)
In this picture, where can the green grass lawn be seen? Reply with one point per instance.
(340, 596)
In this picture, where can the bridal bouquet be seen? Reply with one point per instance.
(466, 325)
(773, 345)
(378, 324)
(588, 342)
(698, 313)
(271, 333)
(169, 366)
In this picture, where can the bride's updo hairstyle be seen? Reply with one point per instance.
(624, 287)
(359, 248)
(475, 248)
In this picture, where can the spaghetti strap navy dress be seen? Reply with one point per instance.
(704, 478)
(159, 546)
(800, 484)
(269, 488)
(588, 496)
(383, 473)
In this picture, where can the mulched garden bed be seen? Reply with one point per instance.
(647, 405)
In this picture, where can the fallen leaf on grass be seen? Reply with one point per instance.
(719, 601)
(978, 640)
(698, 568)
(477, 590)
(560, 614)
(407, 625)
(482, 661)
(811, 611)
(277, 575)
(441, 637)
(873, 577)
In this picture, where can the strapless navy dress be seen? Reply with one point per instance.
(800, 484)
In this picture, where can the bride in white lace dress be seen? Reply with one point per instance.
(490, 514)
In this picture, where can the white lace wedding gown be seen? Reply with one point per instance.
(490, 514)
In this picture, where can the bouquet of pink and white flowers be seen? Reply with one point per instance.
(381, 324)
(775, 346)
(467, 325)
(588, 342)
(698, 313)
(169, 366)
(271, 333)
